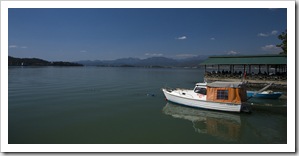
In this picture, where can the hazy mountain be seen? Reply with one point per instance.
(91, 63)
(123, 61)
(158, 61)
(152, 61)
(117, 62)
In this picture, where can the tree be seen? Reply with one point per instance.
(283, 45)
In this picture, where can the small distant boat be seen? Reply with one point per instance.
(222, 96)
(265, 94)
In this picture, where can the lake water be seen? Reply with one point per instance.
(109, 105)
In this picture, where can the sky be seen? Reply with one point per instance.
(107, 34)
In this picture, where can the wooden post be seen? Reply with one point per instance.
(259, 68)
(233, 68)
(244, 73)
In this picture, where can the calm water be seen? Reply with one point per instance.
(96, 105)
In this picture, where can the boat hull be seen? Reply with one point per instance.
(274, 95)
(201, 103)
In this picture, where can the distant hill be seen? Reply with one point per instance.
(149, 62)
(12, 61)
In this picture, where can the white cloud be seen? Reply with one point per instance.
(182, 38)
(12, 46)
(232, 52)
(271, 48)
(212, 39)
(16, 46)
(263, 35)
(153, 54)
(272, 33)
(83, 51)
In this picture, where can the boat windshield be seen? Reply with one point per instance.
(200, 90)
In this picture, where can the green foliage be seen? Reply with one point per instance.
(283, 45)
(37, 62)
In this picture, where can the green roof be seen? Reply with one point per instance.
(250, 59)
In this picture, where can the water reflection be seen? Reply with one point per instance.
(273, 106)
(219, 124)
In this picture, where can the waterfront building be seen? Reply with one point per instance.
(252, 68)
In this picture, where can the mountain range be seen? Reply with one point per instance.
(148, 62)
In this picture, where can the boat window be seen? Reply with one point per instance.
(222, 94)
(201, 90)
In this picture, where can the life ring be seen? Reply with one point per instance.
(200, 95)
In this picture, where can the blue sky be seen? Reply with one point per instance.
(105, 34)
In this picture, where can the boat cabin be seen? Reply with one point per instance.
(225, 92)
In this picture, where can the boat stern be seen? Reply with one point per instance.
(246, 107)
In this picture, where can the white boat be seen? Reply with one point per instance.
(222, 96)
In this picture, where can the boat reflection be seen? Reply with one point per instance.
(219, 124)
